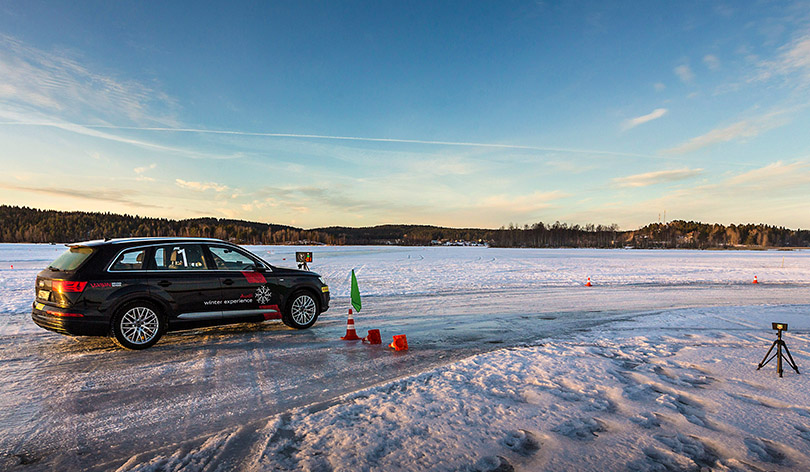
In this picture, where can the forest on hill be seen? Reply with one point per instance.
(23, 224)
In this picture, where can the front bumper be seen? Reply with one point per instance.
(72, 322)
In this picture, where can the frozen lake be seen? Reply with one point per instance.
(67, 402)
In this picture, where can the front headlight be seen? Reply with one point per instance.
(321, 280)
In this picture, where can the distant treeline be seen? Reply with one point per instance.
(693, 235)
(22, 224)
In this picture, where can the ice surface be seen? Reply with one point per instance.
(616, 398)
(653, 368)
(393, 270)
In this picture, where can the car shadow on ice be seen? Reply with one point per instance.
(242, 336)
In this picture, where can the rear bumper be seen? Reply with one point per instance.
(59, 320)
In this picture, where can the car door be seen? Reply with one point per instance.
(180, 275)
(248, 285)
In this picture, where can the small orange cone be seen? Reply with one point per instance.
(755, 280)
(351, 334)
(373, 337)
(400, 343)
(589, 283)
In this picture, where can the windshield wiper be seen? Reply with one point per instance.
(54, 269)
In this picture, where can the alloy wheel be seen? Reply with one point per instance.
(139, 325)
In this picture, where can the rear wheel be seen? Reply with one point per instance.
(138, 325)
(302, 310)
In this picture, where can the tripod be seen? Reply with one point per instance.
(779, 344)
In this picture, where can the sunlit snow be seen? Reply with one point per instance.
(513, 365)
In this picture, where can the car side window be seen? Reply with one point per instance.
(229, 259)
(129, 260)
(180, 257)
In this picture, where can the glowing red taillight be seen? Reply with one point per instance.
(64, 286)
(68, 315)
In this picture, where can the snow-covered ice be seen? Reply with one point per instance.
(671, 391)
(513, 366)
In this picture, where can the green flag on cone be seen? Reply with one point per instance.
(355, 293)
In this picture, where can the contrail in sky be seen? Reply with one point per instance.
(362, 139)
(374, 140)
(340, 138)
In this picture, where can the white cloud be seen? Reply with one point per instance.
(57, 82)
(652, 178)
(684, 72)
(711, 61)
(773, 194)
(744, 129)
(775, 174)
(796, 56)
(116, 195)
(792, 62)
(15, 117)
(141, 170)
(201, 186)
(654, 115)
(659, 86)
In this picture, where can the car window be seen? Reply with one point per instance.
(129, 260)
(71, 259)
(180, 257)
(229, 259)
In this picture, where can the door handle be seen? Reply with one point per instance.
(227, 282)
(164, 283)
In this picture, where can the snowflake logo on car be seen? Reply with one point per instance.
(263, 295)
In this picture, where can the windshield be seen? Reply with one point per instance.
(71, 259)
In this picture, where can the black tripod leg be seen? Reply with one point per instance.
(761, 364)
(790, 360)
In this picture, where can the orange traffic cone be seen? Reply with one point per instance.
(400, 343)
(373, 337)
(351, 334)
(589, 283)
(755, 280)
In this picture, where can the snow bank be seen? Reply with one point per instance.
(672, 391)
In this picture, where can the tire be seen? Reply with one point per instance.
(138, 325)
(302, 310)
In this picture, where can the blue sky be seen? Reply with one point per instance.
(461, 114)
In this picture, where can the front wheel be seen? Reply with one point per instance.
(302, 311)
(138, 325)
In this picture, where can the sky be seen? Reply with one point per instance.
(462, 114)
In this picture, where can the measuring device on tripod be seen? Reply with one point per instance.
(779, 345)
(302, 258)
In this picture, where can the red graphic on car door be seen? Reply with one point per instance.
(254, 277)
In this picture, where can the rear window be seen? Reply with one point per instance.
(71, 259)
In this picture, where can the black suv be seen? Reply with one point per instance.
(137, 289)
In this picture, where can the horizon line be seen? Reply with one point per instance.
(516, 226)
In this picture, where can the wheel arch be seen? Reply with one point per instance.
(307, 289)
(287, 317)
(162, 307)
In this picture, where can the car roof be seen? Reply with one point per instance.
(132, 241)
